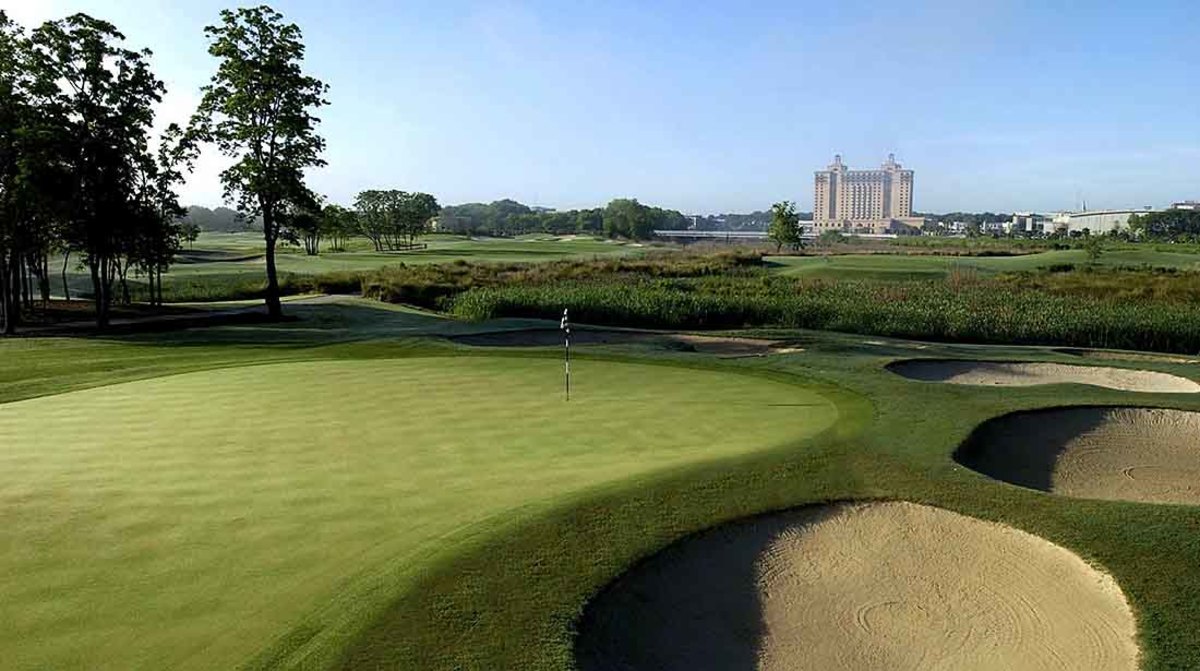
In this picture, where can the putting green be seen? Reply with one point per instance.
(266, 513)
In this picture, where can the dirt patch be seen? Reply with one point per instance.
(1026, 374)
(720, 346)
(1131, 454)
(860, 586)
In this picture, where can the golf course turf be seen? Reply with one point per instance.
(313, 544)
(201, 531)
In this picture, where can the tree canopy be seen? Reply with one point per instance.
(77, 175)
(393, 219)
(785, 225)
(1174, 224)
(508, 217)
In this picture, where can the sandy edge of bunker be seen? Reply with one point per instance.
(1032, 373)
(860, 585)
(1150, 455)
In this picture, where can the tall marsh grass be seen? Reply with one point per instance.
(962, 311)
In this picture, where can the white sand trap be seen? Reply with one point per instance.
(1021, 374)
(725, 347)
(860, 586)
(1132, 454)
(1122, 355)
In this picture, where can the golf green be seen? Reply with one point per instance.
(207, 519)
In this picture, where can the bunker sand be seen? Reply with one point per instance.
(1118, 355)
(860, 586)
(721, 346)
(1019, 374)
(1131, 454)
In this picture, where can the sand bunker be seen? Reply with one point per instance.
(1133, 454)
(721, 346)
(860, 586)
(1019, 374)
(1116, 355)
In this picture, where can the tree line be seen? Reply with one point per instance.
(622, 217)
(78, 176)
(1173, 225)
(219, 219)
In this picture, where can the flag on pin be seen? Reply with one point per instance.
(565, 327)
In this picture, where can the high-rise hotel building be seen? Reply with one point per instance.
(864, 201)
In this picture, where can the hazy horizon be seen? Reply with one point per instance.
(721, 108)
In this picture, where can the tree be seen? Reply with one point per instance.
(589, 221)
(337, 224)
(393, 219)
(1173, 224)
(301, 224)
(190, 231)
(13, 111)
(785, 226)
(95, 102)
(258, 109)
(1093, 246)
(414, 212)
(627, 218)
(164, 231)
(221, 219)
(375, 213)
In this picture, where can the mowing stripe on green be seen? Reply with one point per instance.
(194, 521)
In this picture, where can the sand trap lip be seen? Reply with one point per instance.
(860, 586)
(1121, 355)
(721, 346)
(1030, 373)
(1116, 453)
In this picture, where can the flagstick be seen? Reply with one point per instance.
(565, 325)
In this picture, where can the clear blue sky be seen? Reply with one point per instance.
(712, 107)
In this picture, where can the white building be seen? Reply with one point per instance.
(1028, 223)
(1096, 221)
(864, 201)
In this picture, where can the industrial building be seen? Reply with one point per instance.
(1096, 221)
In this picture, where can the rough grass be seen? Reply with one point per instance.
(224, 525)
(228, 266)
(1124, 284)
(959, 309)
(903, 264)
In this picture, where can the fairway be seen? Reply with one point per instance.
(266, 514)
(226, 257)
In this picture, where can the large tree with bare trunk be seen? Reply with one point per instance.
(258, 109)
